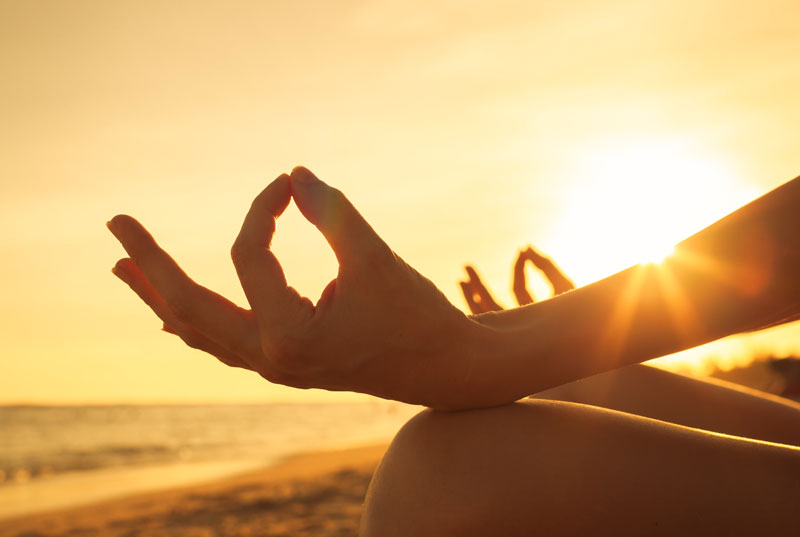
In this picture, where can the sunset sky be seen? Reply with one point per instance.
(599, 131)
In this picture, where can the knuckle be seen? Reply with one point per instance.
(238, 252)
(378, 258)
(335, 205)
(180, 300)
(180, 309)
(337, 196)
(340, 207)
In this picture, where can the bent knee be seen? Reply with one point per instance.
(469, 473)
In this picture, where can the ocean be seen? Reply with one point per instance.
(58, 456)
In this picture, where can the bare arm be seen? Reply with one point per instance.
(382, 328)
(739, 274)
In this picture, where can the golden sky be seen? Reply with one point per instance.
(598, 131)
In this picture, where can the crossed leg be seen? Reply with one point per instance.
(552, 467)
(702, 403)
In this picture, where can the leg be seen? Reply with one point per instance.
(708, 404)
(554, 469)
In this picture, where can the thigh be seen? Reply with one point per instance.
(702, 403)
(553, 468)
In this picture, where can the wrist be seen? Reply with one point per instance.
(489, 364)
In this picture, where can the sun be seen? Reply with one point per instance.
(657, 255)
(630, 201)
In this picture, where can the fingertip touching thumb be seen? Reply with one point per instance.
(329, 210)
(310, 194)
(301, 174)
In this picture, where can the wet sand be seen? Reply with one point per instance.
(309, 494)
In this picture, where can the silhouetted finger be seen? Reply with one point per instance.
(128, 272)
(469, 296)
(520, 284)
(259, 271)
(558, 280)
(534, 256)
(205, 311)
(350, 236)
(486, 298)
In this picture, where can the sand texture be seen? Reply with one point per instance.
(310, 494)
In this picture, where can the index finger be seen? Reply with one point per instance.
(259, 271)
(469, 296)
(520, 285)
(558, 280)
(487, 301)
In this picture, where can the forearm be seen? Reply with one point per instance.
(741, 273)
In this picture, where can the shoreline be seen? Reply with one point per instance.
(313, 493)
(75, 489)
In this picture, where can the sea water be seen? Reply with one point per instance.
(55, 456)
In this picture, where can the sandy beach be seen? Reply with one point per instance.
(307, 494)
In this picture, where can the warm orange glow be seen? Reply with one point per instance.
(684, 317)
(602, 135)
(631, 200)
(617, 330)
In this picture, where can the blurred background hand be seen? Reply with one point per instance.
(480, 300)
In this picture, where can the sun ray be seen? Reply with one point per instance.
(617, 331)
(683, 314)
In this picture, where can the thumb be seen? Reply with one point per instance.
(350, 236)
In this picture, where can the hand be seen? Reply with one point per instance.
(382, 328)
(379, 327)
(558, 281)
(480, 300)
(478, 297)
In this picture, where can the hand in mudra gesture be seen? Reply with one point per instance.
(379, 327)
(383, 329)
(480, 300)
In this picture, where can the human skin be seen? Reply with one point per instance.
(557, 469)
(551, 467)
(642, 390)
(559, 281)
(382, 328)
(480, 300)
(594, 472)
